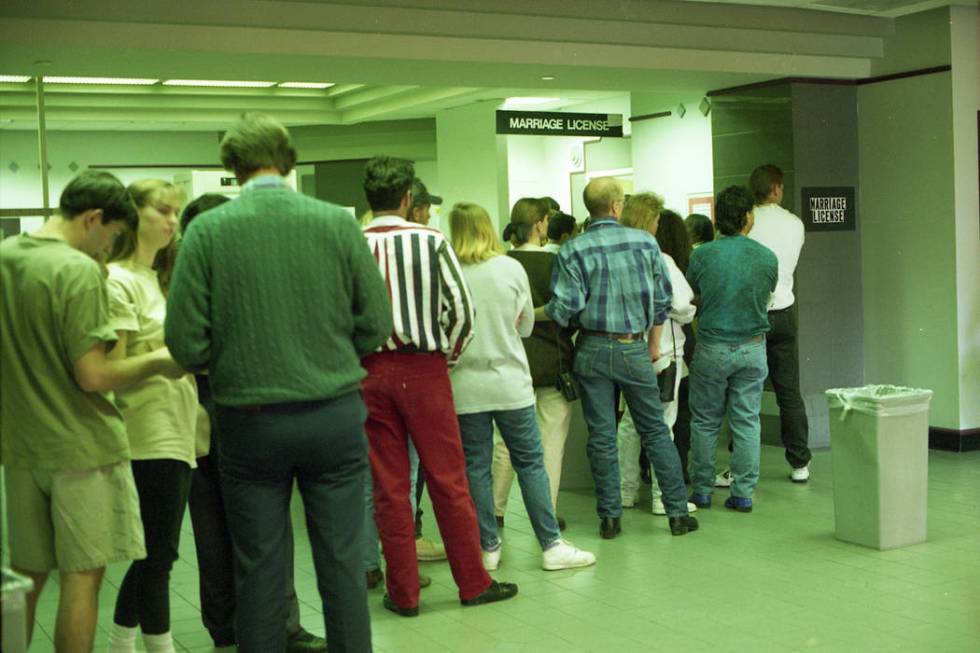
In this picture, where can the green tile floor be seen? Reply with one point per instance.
(774, 580)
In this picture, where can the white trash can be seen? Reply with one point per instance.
(879, 438)
(13, 596)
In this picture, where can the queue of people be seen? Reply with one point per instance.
(154, 359)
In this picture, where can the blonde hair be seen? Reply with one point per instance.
(473, 235)
(641, 210)
(144, 192)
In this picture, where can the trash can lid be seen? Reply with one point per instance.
(880, 399)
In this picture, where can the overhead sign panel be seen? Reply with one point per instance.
(553, 123)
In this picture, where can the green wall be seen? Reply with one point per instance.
(908, 243)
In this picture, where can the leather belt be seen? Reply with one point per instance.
(622, 337)
(286, 407)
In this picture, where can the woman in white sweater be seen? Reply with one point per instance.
(492, 385)
(671, 234)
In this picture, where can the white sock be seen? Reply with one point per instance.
(163, 643)
(122, 639)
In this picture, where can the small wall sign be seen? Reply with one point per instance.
(830, 208)
(554, 123)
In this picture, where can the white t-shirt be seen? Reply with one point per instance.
(681, 312)
(493, 373)
(783, 233)
(160, 413)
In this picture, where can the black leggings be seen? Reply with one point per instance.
(144, 596)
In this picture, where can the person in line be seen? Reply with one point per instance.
(700, 229)
(160, 415)
(492, 385)
(561, 228)
(611, 282)
(643, 211)
(212, 537)
(276, 295)
(783, 233)
(733, 276)
(70, 494)
(409, 396)
(549, 355)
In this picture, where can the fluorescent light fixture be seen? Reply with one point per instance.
(317, 85)
(15, 79)
(528, 101)
(223, 83)
(121, 81)
(547, 78)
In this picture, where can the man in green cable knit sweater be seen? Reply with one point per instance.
(277, 296)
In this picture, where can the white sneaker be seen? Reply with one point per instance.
(428, 551)
(491, 559)
(659, 509)
(724, 479)
(564, 555)
(629, 502)
(800, 474)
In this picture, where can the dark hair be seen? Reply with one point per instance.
(559, 225)
(527, 212)
(257, 141)
(551, 202)
(673, 239)
(96, 189)
(386, 180)
(731, 207)
(762, 181)
(205, 202)
(699, 228)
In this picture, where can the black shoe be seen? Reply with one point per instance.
(401, 612)
(374, 578)
(561, 524)
(500, 521)
(305, 642)
(683, 525)
(609, 527)
(496, 592)
(424, 581)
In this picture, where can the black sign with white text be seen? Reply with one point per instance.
(828, 208)
(553, 123)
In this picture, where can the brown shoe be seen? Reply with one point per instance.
(374, 578)
(424, 581)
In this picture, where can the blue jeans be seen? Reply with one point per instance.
(519, 429)
(371, 552)
(322, 446)
(601, 364)
(731, 376)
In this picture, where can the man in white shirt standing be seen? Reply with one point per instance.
(783, 233)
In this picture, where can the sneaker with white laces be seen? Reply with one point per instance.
(724, 479)
(564, 555)
(800, 474)
(428, 551)
(661, 510)
(491, 559)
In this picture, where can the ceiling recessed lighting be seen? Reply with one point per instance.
(317, 85)
(547, 78)
(123, 81)
(224, 83)
(528, 101)
(15, 79)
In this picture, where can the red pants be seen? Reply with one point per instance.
(410, 394)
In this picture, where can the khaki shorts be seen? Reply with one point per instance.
(73, 520)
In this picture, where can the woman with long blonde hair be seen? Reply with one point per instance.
(492, 385)
(160, 415)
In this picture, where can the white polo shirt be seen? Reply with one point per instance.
(783, 233)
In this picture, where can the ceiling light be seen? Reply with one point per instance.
(317, 85)
(15, 79)
(217, 83)
(547, 78)
(124, 81)
(528, 101)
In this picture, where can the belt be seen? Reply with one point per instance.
(286, 407)
(622, 337)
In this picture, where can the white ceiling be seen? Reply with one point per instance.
(395, 59)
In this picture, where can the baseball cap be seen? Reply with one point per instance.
(421, 196)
